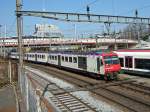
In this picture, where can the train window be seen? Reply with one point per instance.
(52, 57)
(43, 56)
(55, 57)
(74, 59)
(66, 59)
(70, 59)
(121, 62)
(142, 63)
(62, 58)
(49, 56)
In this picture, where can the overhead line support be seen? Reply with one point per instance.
(79, 17)
(19, 34)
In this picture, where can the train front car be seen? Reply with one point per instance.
(111, 65)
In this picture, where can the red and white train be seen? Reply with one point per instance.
(135, 61)
(102, 64)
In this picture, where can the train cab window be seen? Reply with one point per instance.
(62, 58)
(66, 59)
(121, 62)
(74, 59)
(111, 60)
(70, 59)
(142, 63)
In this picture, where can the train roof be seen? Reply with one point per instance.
(96, 53)
(134, 50)
(87, 53)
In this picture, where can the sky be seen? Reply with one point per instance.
(106, 7)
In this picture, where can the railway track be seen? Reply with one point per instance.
(64, 100)
(110, 91)
(84, 81)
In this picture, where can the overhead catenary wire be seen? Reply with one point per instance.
(133, 10)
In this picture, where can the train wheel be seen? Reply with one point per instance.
(106, 78)
(115, 76)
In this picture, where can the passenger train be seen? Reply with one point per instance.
(100, 64)
(135, 61)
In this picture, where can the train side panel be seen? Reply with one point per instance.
(92, 64)
(70, 61)
(135, 62)
(41, 57)
(52, 59)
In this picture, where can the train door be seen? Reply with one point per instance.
(36, 57)
(128, 61)
(100, 66)
(59, 60)
(102, 70)
(27, 56)
(82, 62)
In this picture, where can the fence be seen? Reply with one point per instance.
(8, 72)
(33, 99)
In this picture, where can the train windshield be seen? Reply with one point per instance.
(111, 60)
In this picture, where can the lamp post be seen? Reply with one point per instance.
(0, 38)
(4, 52)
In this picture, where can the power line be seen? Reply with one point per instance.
(10, 29)
(132, 10)
(92, 2)
(88, 4)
